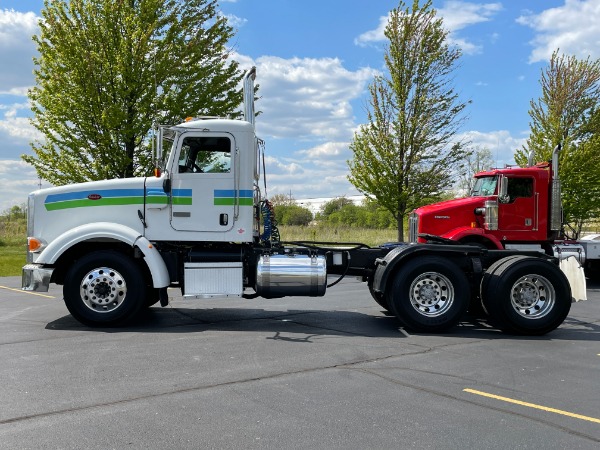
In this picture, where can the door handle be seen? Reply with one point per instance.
(223, 219)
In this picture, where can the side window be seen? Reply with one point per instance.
(205, 155)
(519, 187)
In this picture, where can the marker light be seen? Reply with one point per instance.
(34, 244)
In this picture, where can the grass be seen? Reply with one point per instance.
(327, 233)
(12, 259)
(13, 242)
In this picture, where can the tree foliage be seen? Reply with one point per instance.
(567, 113)
(404, 155)
(342, 211)
(291, 214)
(108, 69)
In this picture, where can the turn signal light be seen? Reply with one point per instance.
(34, 244)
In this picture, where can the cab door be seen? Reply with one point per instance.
(203, 193)
(518, 214)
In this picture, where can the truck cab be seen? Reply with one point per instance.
(206, 189)
(510, 205)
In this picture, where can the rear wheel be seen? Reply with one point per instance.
(487, 276)
(429, 294)
(526, 295)
(104, 288)
(379, 297)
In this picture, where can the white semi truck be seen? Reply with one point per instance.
(201, 224)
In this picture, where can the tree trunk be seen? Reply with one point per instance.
(129, 148)
(400, 219)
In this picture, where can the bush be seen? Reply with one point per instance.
(341, 211)
(292, 215)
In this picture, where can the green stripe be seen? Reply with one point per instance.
(108, 201)
(158, 200)
(221, 201)
(182, 200)
(116, 201)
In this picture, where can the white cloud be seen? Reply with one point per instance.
(15, 128)
(501, 143)
(235, 21)
(572, 27)
(327, 150)
(373, 36)
(307, 98)
(456, 16)
(17, 180)
(16, 49)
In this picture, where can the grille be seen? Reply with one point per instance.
(413, 227)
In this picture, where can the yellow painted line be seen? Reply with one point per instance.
(533, 405)
(26, 292)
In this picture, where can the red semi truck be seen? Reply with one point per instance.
(511, 208)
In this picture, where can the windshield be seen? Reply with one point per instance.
(484, 186)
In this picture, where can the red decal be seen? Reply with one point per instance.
(94, 197)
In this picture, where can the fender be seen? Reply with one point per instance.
(459, 233)
(106, 230)
(386, 266)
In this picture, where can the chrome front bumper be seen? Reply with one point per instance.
(36, 278)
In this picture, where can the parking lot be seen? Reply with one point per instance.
(319, 373)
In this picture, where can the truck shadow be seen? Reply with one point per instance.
(302, 325)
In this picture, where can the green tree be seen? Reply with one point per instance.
(405, 156)
(568, 113)
(107, 70)
(333, 206)
(476, 161)
(292, 214)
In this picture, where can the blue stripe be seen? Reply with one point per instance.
(182, 192)
(107, 193)
(230, 193)
(156, 191)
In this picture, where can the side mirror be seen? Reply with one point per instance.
(503, 190)
(167, 185)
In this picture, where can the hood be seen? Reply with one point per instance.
(440, 218)
(124, 191)
(54, 211)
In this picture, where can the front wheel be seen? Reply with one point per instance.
(429, 294)
(527, 296)
(104, 288)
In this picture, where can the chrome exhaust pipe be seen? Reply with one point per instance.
(556, 205)
(249, 95)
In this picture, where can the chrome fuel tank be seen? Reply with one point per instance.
(298, 275)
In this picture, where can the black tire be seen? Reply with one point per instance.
(104, 288)
(379, 297)
(152, 296)
(429, 294)
(487, 276)
(527, 296)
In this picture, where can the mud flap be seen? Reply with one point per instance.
(574, 273)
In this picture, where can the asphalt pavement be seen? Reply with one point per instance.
(333, 372)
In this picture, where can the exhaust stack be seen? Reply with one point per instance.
(555, 198)
(249, 95)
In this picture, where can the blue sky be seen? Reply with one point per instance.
(314, 62)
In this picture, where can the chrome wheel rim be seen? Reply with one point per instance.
(431, 294)
(532, 296)
(103, 290)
